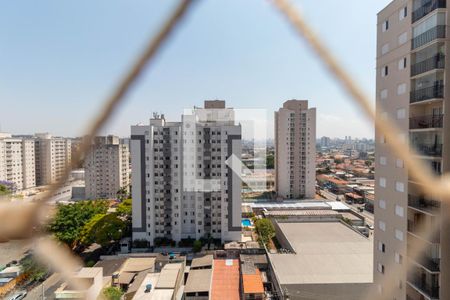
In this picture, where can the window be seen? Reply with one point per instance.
(382, 204)
(399, 211)
(384, 94)
(402, 38)
(385, 49)
(403, 13)
(398, 258)
(402, 63)
(382, 139)
(381, 247)
(380, 268)
(401, 113)
(399, 163)
(383, 160)
(401, 89)
(399, 186)
(399, 234)
(385, 71)
(382, 225)
(385, 26)
(382, 182)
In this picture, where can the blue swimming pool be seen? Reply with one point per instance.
(246, 222)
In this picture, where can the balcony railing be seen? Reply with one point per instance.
(432, 92)
(421, 231)
(428, 36)
(430, 263)
(416, 280)
(435, 62)
(421, 203)
(427, 8)
(428, 150)
(423, 122)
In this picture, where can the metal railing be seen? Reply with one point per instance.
(420, 283)
(435, 62)
(428, 121)
(430, 35)
(424, 204)
(432, 92)
(420, 229)
(428, 7)
(428, 149)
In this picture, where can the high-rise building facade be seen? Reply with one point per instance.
(182, 186)
(17, 161)
(412, 84)
(295, 150)
(107, 168)
(53, 155)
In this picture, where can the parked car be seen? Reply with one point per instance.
(19, 295)
(370, 226)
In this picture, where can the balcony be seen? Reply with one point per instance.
(435, 62)
(436, 32)
(423, 204)
(429, 263)
(427, 8)
(424, 122)
(429, 150)
(420, 283)
(433, 92)
(421, 231)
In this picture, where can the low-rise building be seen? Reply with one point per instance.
(324, 259)
(91, 280)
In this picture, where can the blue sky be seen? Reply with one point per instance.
(60, 59)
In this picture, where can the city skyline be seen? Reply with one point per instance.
(253, 75)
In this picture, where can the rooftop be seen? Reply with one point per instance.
(325, 253)
(138, 264)
(198, 281)
(225, 279)
(252, 283)
(168, 276)
(201, 262)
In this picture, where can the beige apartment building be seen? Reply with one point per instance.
(295, 150)
(182, 186)
(412, 85)
(17, 161)
(107, 168)
(53, 155)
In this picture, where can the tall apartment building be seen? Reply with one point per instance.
(182, 187)
(53, 155)
(295, 150)
(17, 161)
(107, 168)
(412, 87)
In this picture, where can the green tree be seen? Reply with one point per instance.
(197, 247)
(122, 194)
(102, 229)
(34, 270)
(70, 219)
(112, 293)
(265, 229)
(270, 161)
(124, 208)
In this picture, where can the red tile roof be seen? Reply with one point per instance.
(225, 279)
(253, 283)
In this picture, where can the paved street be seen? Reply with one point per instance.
(50, 285)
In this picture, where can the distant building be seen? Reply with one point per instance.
(325, 142)
(53, 156)
(182, 187)
(17, 161)
(107, 168)
(295, 150)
